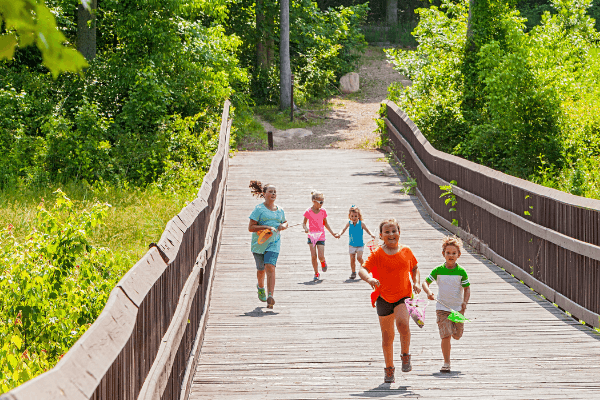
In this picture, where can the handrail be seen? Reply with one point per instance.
(149, 309)
(542, 257)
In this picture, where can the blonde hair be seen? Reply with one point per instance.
(390, 221)
(356, 210)
(258, 189)
(315, 193)
(451, 241)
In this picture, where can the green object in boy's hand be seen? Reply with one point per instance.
(455, 316)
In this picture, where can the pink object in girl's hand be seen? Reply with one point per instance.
(416, 309)
(314, 237)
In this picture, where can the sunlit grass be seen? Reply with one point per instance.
(136, 217)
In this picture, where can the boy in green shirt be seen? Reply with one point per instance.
(454, 292)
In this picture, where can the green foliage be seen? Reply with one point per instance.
(381, 129)
(324, 45)
(166, 62)
(54, 284)
(28, 22)
(516, 101)
(450, 198)
(434, 100)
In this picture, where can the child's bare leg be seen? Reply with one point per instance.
(313, 257)
(353, 262)
(402, 319)
(446, 345)
(387, 338)
(270, 278)
(359, 258)
(260, 276)
(321, 251)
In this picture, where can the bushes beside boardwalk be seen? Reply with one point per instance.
(518, 101)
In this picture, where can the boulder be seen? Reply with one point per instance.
(349, 83)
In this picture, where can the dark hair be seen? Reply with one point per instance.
(390, 221)
(258, 189)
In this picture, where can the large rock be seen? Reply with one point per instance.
(349, 83)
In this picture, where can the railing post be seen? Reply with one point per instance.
(292, 102)
(270, 139)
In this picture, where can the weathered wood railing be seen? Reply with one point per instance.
(548, 239)
(145, 343)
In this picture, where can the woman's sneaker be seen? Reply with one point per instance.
(324, 266)
(270, 301)
(406, 366)
(262, 295)
(316, 277)
(389, 375)
(353, 275)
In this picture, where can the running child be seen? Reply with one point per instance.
(454, 291)
(316, 216)
(392, 272)
(266, 215)
(356, 244)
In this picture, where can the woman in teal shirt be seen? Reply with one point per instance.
(266, 215)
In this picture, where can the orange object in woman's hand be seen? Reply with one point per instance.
(264, 235)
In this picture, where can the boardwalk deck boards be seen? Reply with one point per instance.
(322, 340)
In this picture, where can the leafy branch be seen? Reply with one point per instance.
(450, 198)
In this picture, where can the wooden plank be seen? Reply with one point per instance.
(322, 340)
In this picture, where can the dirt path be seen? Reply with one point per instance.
(350, 123)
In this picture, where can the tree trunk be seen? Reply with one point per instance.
(391, 12)
(285, 80)
(262, 59)
(86, 30)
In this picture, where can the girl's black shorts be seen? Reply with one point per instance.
(384, 308)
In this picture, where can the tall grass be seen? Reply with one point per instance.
(136, 217)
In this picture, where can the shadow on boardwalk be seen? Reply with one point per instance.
(323, 339)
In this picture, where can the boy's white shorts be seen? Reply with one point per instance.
(354, 250)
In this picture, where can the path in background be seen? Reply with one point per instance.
(350, 124)
(322, 340)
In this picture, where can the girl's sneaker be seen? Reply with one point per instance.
(316, 277)
(324, 266)
(262, 295)
(389, 375)
(353, 275)
(445, 368)
(406, 366)
(270, 301)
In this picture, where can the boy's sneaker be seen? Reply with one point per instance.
(406, 366)
(324, 266)
(353, 275)
(316, 277)
(270, 301)
(262, 295)
(389, 375)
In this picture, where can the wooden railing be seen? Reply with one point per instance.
(548, 239)
(146, 341)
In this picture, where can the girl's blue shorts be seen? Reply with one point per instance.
(270, 257)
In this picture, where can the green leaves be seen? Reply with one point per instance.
(52, 288)
(32, 22)
(450, 198)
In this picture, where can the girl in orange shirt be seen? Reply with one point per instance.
(393, 273)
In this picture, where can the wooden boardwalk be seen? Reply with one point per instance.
(322, 340)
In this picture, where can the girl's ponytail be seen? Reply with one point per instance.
(257, 189)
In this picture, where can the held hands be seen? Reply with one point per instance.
(430, 296)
